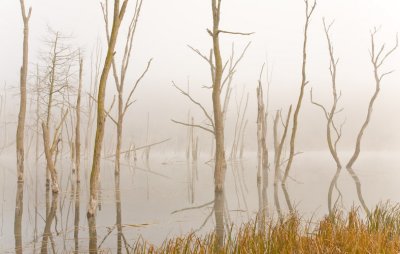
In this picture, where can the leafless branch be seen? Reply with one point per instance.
(193, 208)
(195, 102)
(194, 125)
(235, 33)
(319, 105)
(128, 101)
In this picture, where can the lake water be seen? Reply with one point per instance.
(168, 197)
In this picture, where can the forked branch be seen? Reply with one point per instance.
(377, 59)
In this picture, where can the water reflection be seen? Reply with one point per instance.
(19, 206)
(118, 213)
(219, 208)
(77, 218)
(192, 178)
(47, 234)
(287, 198)
(240, 186)
(92, 234)
(262, 187)
(148, 169)
(208, 209)
(276, 201)
(359, 192)
(333, 204)
(332, 186)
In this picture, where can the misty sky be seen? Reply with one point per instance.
(166, 27)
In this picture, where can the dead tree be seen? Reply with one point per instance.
(220, 161)
(78, 125)
(120, 78)
(22, 108)
(262, 151)
(119, 12)
(331, 128)
(378, 57)
(216, 120)
(55, 83)
(309, 11)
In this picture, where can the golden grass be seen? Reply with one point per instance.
(335, 233)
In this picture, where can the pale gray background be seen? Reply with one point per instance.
(167, 26)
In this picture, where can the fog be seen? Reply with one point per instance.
(167, 27)
(155, 199)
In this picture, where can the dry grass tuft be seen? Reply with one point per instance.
(335, 233)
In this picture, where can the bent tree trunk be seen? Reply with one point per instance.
(302, 88)
(22, 106)
(378, 57)
(94, 176)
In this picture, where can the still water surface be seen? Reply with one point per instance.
(168, 197)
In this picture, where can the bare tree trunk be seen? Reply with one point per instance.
(22, 108)
(261, 135)
(304, 82)
(94, 176)
(220, 162)
(78, 125)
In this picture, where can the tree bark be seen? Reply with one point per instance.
(94, 176)
(22, 107)
(262, 150)
(220, 162)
